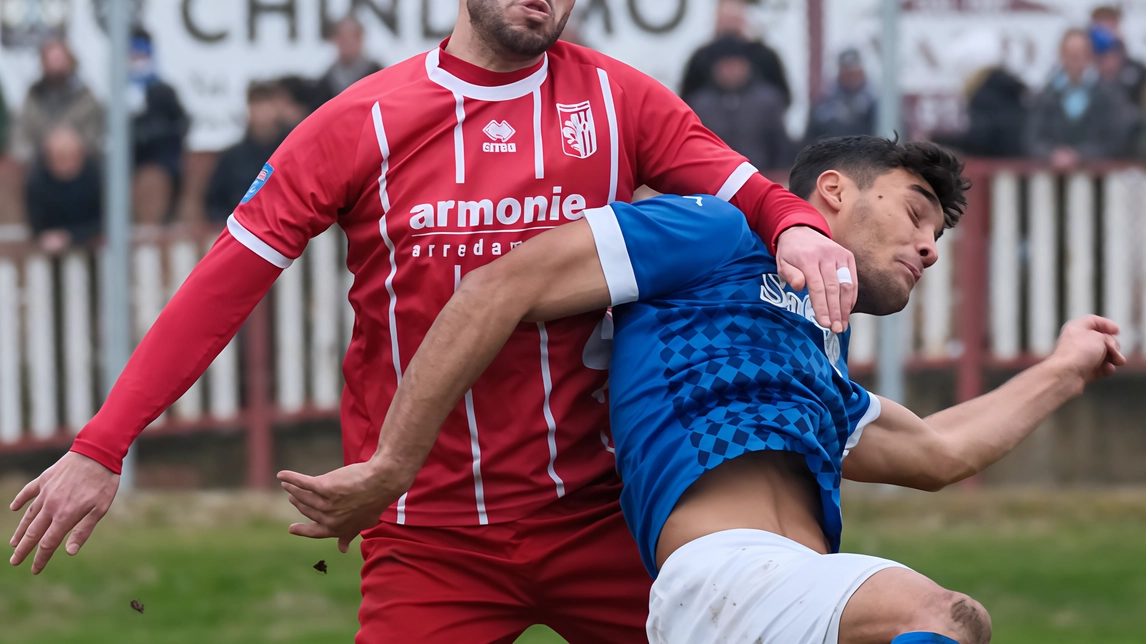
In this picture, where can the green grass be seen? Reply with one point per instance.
(222, 569)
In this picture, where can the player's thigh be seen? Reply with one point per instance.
(593, 585)
(428, 593)
(898, 600)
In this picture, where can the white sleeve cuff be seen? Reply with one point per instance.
(256, 245)
(614, 255)
(874, 409)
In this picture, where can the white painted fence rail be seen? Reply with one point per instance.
(1058, 247)
(49, 377)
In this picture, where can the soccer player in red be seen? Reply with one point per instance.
(434, 167)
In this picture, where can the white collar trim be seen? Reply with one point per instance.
(523, 87)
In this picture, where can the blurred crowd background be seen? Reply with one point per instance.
(1089, 106)
(1045, 100)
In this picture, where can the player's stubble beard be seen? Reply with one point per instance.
(490, 25)
(880, 290)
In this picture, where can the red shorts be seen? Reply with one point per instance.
(572, 566)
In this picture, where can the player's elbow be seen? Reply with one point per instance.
(495, 288)
(946, 468)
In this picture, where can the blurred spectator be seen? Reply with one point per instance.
(997, 112)
(747, 113)
(58, 98)
(5, 124)
(1115, 67)
(298, 99)
(732, 28)
(64, 192)
(849, 110)
(1078, 116)
(240, 164)
(159, 127)
(352, 64)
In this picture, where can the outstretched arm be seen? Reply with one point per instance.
(931, 453)
(75, 493)
(554, 275)
(297, 196)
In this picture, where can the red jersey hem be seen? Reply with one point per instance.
(425, 518)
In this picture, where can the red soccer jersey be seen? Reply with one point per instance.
(435, 167)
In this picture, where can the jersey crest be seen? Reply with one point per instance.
(578, 130)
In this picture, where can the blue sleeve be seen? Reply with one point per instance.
(862, 408)
(658, 246)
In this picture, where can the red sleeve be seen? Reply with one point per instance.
(676, 154)
(306, 183)
(298, 194)
(771, 210)
(194, 327)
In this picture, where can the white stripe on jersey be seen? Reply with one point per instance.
(475, 448)
(547, 382)
(401, 509)
(736, 181)
(256, 245)
(384, 148)
(460, 141)
(538, 148)
(614, 144)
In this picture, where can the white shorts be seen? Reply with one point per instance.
(754, 587)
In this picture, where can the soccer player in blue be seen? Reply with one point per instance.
(733, 416)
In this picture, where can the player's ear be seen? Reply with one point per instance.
(830, 189)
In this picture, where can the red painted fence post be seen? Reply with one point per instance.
(973, 283)
(260, 445)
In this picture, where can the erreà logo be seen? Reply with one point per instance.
(499, 134)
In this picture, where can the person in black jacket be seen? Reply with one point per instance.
(732, 27)
(241, 163)
(849, 109)
(159, 127)
(1113, 61)
(1079, 116)
(64, 193)
(744, 111)
(997, 111)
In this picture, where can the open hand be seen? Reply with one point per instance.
(70, 496)
(807, 259)
(344, 502)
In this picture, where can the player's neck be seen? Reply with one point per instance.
(465, 45)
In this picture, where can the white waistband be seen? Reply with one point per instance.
(738, 538)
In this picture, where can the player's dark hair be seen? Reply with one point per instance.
(863, 159)
(1106, 12)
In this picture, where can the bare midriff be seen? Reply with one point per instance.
(771, 491)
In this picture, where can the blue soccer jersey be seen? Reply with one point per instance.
(714, 356)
